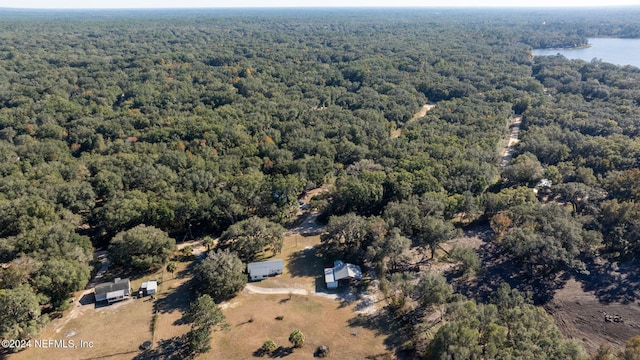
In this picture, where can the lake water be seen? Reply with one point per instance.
(615, 51)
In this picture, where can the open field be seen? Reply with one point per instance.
(252, 320)
(581, 315)
(578, 304)
(324, 320)
(116, 330)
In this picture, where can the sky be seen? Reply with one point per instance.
(97, 4)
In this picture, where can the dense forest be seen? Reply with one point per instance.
(126, 131)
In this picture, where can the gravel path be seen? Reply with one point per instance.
(507, 151)
(422, 113)
(252, 289)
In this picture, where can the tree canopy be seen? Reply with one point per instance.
(221, 274)
(251, 237)
(142, 248)
(118, 130)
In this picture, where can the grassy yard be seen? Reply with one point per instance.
(252, 320)
(303, 264)
(323, 321)
(117, 330)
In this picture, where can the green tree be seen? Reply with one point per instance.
(208, 242)
(512, 328)
(205, 316)
(455, 340)
(220, 274)
(171, 267)
(296, 338)
(58, 278)
(405, 215)
(361, 193)
(20, 318)
(249, 238)
(548, 238)
(632, 349)
(468, 259)
(123, 211)
(432, 289)
(269, 346)
(389, 249)
(507, 198)
(584, 198)
(203, 312)
(143, 248)
(620, 222)
(398, 288)
(434, 231)
(186, 252)
(198, 341)
(347, 235)
(623, 185)
(523, 169)
(18, 271)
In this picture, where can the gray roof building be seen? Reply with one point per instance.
(340, 271)
(118, 289)
(263, 269)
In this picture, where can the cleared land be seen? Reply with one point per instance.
(252, 320)
(116, 330)
(303, 264)
(579, 305)
(511, 140)
(423, 112)
(326, 318)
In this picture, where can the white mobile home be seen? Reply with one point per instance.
(263, 269)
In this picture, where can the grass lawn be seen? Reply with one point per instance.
(303, 264)
(323, 321)
(252, 320)
(117, 330)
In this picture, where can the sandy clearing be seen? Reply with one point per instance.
(511, 140)
(421, 113)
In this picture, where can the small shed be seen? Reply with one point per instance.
(149, 287)
(118, 289)
(330, 279)
(263, 269)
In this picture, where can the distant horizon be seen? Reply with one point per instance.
(259, 4)
(594, 7)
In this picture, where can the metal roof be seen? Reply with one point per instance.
(346, 270)
(150, 285)
(116, 285)
(277, 263)
(328, 275)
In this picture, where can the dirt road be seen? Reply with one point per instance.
(423, 112)
(511, 140)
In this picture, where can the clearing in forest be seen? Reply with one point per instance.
(422, 113)
(511, 140)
